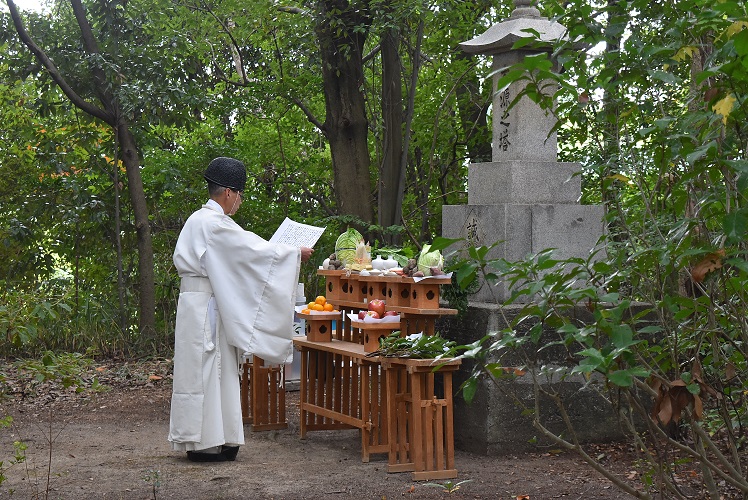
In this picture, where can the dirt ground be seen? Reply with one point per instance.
(112, 445)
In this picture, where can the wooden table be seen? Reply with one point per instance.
(342, 388)
(403, 407)
(420, 416)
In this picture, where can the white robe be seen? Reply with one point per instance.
(237, 296)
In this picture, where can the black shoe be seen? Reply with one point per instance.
(229, 452)
(199, 456)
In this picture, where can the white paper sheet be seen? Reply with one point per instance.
(369, 319)
(297, 234)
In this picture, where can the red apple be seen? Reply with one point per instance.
(361, 315)
(377, 305)
(391, 313)
(373, 314)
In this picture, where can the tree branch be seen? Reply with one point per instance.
(91, 46)
(576, 446)
(371, 54)
(309, 115)
(298, 102)
(54, 73)
(238, 59)
(294, 10)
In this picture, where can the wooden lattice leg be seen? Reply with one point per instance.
(245, 398)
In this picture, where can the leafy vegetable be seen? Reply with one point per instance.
(417, 346)
(345, 246)
(428, 259)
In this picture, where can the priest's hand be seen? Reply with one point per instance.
(306, 253)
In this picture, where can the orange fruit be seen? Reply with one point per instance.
(320, 300)
(306, 311)
(328, 306)
(311, 304)
(318, 307)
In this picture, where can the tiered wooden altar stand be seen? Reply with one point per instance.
(263, 395)
(403, 407)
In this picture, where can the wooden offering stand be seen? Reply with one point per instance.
(373, 332)
(319, 325)
(263, 395)
(424, 293)
(343, 388)
(420, 416)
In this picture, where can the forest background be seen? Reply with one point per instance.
(366, 113)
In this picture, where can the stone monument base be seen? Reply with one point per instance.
(495, 423)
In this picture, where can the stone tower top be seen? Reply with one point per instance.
(524, 8)
(524, 22)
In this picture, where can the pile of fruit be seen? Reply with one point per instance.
(376, 309)
(320, 304)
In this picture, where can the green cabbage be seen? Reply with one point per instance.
(428, 259)
(345, 246)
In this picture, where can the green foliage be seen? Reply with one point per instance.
(52, 318)
(174, 70)
(153, 476)
(656, 115)
(626, 346)
(457, 294)
(19, 449)
(68, 369)
(449, 486)
(415, 346)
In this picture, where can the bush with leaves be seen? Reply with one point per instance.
(671, 368)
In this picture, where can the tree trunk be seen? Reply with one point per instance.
(392, 116)
(345, 125)
(147, 288)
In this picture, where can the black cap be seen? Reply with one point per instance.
(227, 172)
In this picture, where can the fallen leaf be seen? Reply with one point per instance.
(100, 368)
(155, 377)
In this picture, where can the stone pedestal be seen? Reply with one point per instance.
(523, 229)
(494, 423)
(527, 206)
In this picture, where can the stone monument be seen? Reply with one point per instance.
(524, 198)
(527, 201)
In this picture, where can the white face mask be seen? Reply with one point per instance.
(233, 206)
